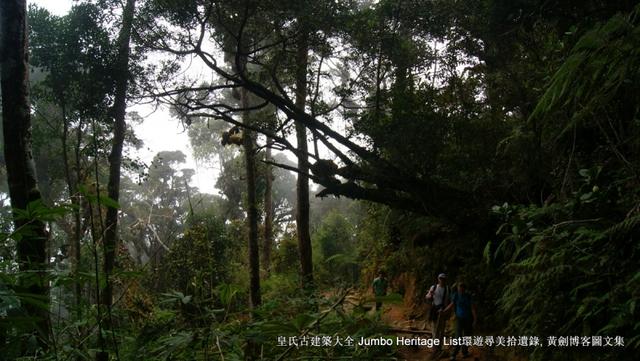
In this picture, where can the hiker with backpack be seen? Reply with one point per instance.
(439, 297)
(466, 317)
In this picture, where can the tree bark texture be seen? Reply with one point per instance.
(302, 185)
(21, 175)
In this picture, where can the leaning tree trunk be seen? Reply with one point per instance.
(21, 176)
(302, 186)
(115, 160)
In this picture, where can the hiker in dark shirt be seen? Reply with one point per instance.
(379, 288)
(466, 317)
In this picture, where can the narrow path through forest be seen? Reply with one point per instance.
(399, 317)
(396, 316)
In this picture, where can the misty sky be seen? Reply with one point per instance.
(159, 132)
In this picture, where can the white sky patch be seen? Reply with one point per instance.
(159, 131)
(56, 7)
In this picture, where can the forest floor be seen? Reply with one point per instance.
(396, 315)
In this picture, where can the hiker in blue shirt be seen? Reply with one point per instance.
(466, 317)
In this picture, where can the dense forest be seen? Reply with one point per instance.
(495, 141)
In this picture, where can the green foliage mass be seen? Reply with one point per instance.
(335, 254)
(573, 262)
(197, 262)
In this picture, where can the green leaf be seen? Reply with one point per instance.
(584, 172)
(104, 200)
(586, 196)
(302, 321)
(486, 254)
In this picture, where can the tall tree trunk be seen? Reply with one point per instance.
(268, 212)
(302, 186)
(79, 230)
(115, 160)
(74, 242)
(21, 176)
(252, 208)
(255, 298)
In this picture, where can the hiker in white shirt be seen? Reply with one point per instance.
(439, 297)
